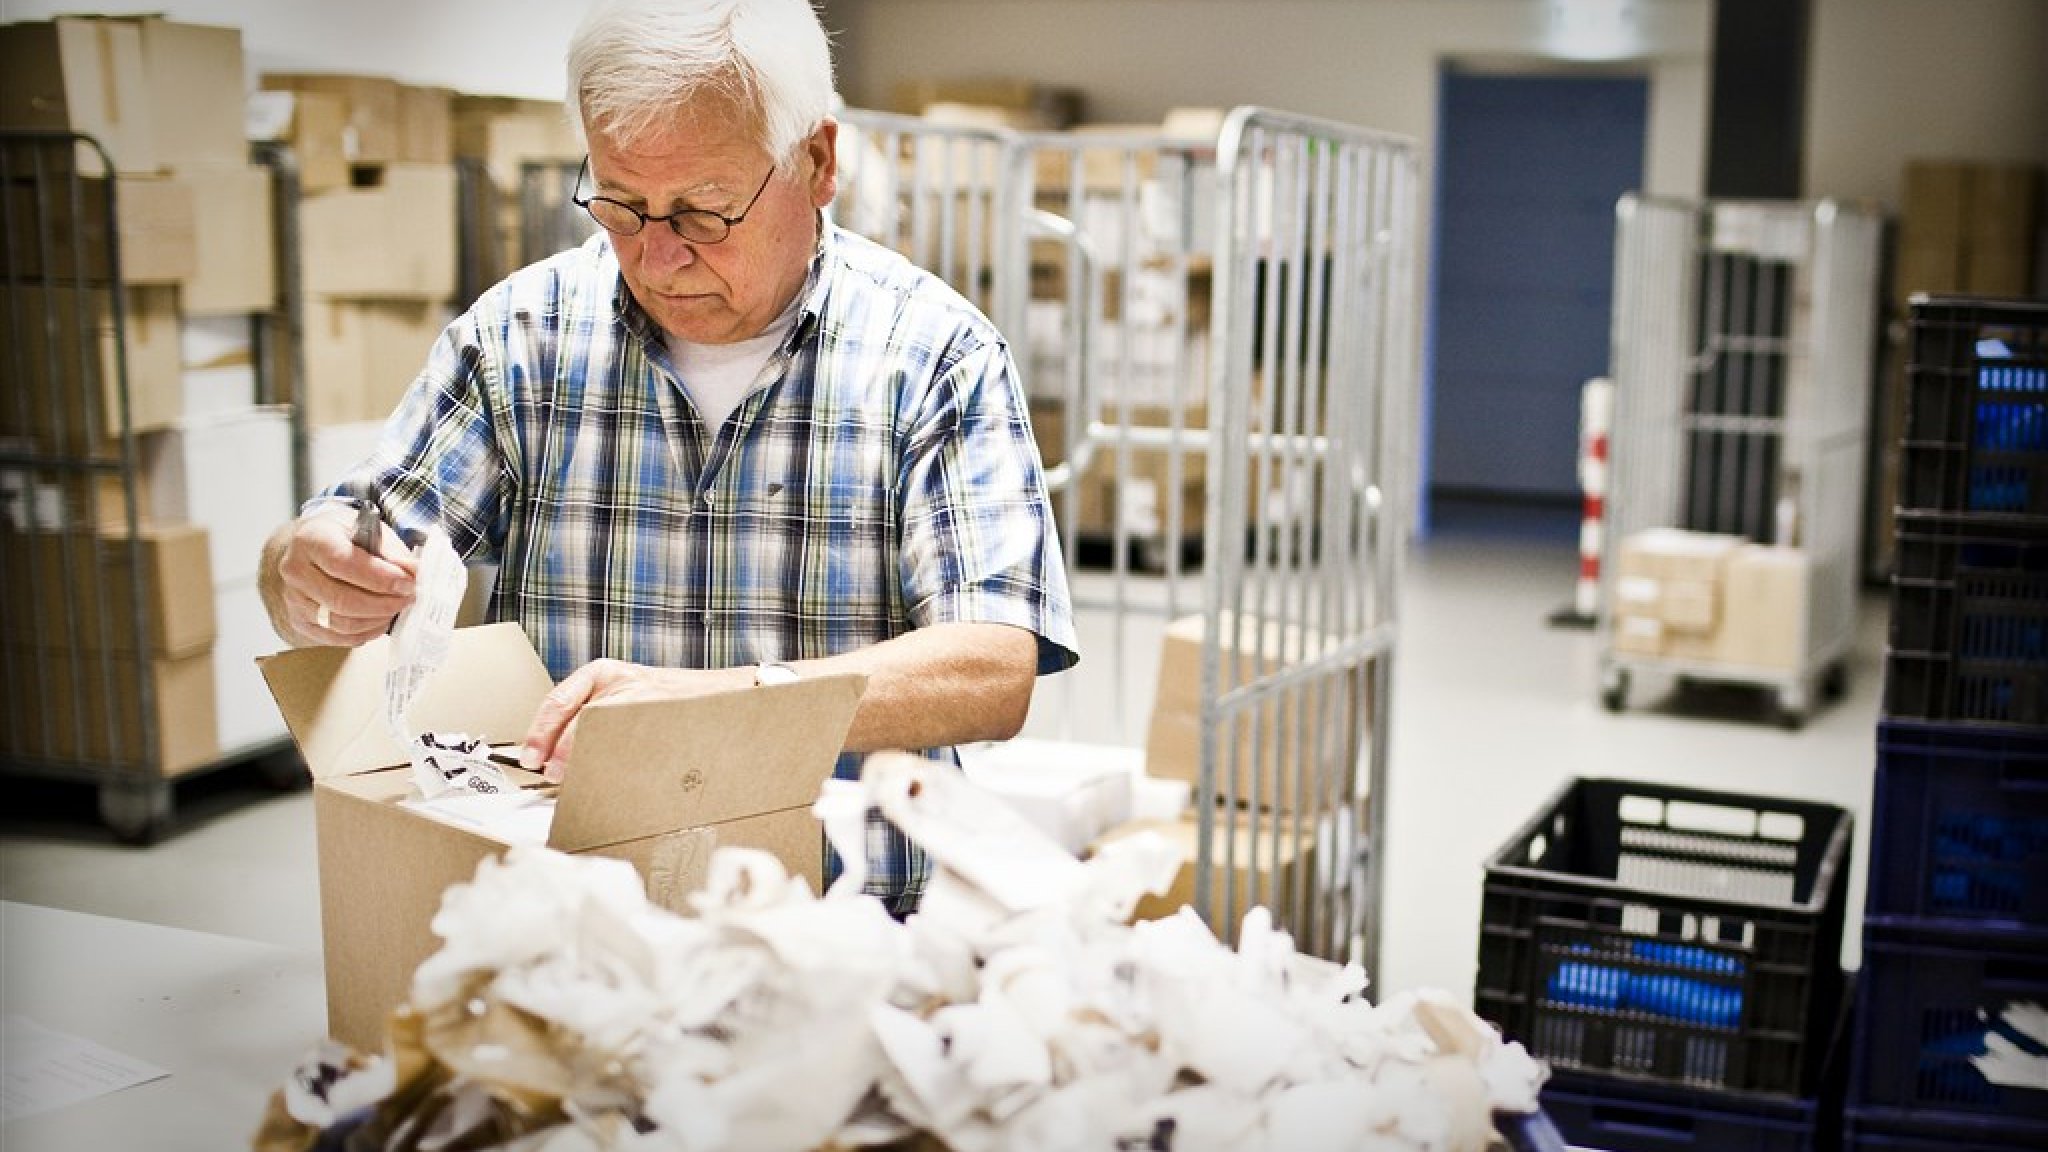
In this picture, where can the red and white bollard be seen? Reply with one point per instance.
(1596, 416)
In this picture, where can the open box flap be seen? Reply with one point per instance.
(333, 698)
(646, 768)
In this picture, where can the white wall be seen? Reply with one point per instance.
(1892, 80)
(1370, 62)
(493, 47)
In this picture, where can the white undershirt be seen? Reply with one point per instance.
(719, 376)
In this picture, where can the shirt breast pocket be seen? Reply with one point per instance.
(830, 550)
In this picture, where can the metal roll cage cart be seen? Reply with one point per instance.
(1228, 317)
(78, 690)
(1743, 341)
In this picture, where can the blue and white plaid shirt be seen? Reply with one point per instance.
(885, 480)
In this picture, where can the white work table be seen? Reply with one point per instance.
(227, 1018)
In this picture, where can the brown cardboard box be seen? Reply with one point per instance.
(84, 75)
(58, 378)
(1995, 266)
(1763, 613)
(317, 135)
(394, 239)
(62, 704)
(2004, 201)
(361, 356)
(1246, 870)
(506, 133)
(1048, 107)
(1674, 577)
(1935, 268)
(426, 134)
(1263, 748)
(153, 220)
(198, 105)
(372, 102)
(1936, 200)
(660, 784)
(74, 590)
(236, 265)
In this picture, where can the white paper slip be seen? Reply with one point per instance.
(41, 1069)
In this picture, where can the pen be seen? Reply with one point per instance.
(369, 526)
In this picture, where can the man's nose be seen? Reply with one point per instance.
(661, 248)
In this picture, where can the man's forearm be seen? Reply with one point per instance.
(947, 684)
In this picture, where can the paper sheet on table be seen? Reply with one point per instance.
(42, 1069)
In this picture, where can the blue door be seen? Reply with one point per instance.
(1528, 170)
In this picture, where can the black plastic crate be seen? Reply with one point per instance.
(1969, 625)
(1668, 933)
(1976, 437)
(1931, 1001)
(1937, 1132)
(1617, 1114)
(1959, 831)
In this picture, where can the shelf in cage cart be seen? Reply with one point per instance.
(1976, 435)
(1969, 621)
(1674, 934)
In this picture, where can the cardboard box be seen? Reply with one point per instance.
(1246, 870)
(335, 448)
(362, 355)
(1997, 267)
(426, 135)
(154, 220)
(198, 102)
(1936, 202)
(73, 384)
(245, 715)
(1935, 268)
(70, 705)
(235, 263)
(1675, 577)
(660, 784)
(1296, 751)
(1763, 621)
(1043, 106)
(506, 133)
(395, 239)
(314, 124)
(84, 75)
(232, 475)
(76, 590)
(2004, 202)
(370, 134)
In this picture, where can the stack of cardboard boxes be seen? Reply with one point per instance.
(194, 231)
(377, 235)
(1969, 228)
(1711, 599)
(498, 137)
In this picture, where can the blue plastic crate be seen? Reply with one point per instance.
(1673, 934)
(1931, 998)
(1969, 621)
(1620, 1114)
(1959, 831)
(1937, 1132)
(1976, 435)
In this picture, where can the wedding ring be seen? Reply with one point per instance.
(323, 618)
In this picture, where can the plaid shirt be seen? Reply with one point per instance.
(883, 479)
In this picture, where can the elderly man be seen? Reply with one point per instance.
(723, 442)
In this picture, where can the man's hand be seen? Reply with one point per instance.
(329, 591)
(610, 681)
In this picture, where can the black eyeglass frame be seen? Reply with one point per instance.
(675, 220)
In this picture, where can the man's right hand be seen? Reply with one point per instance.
(327, 590)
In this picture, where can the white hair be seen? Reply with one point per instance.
(633, 64)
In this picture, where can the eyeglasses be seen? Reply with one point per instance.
(697, 225)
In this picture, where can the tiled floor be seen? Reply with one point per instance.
(1493, 708)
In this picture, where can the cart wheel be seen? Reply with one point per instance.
(1834, 683)
(137, 813)
(1614, 688)
(1792, 705)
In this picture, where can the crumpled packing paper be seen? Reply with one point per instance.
(1016, 1012)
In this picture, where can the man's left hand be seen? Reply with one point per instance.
(548, 741)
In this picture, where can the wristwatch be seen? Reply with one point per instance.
(765, 674)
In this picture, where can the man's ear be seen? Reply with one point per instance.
(822, 148)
